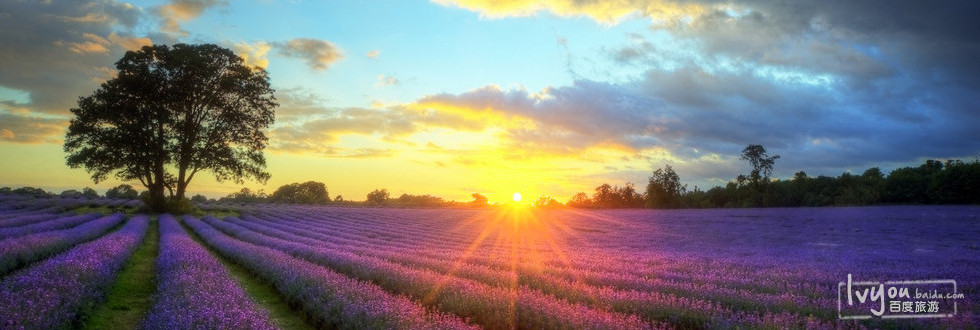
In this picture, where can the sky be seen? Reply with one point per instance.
(546, 97)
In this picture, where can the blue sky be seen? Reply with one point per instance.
(546, 97)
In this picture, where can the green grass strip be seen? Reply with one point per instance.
(131, 295)
(263, 293)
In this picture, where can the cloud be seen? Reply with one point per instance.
(831, 85)
(606, 12)
(384, 81)
(564, 120)
(319, 54)
(373, 54)
(692, 116)
(31, 129)
(306, 126)
(179, 11)
(129, 42)
(254, 54)
(55, 52)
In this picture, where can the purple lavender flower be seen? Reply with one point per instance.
(333, 300)
(195, 291)
(19, 251)
(51, 294)
(47, 225)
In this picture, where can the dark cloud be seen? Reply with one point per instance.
(58, 51)
(839, 83)
(53, 52)
(832, 85)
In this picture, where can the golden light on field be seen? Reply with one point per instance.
(527, 239)
(517, 197)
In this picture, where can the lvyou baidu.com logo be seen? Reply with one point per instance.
(896, 299)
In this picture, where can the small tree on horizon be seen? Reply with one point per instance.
(170, 113)
(664, 189)
(310, 192)
(546, 201)
(580, 200)
(761, 164)
(123, 191)
(479, 201)
(378, 196)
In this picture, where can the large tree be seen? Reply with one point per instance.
(170, 113)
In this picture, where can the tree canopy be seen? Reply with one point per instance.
(123, 191)
(378, 196)
(310, 192)
(761, 163)
(170, 113)
(479, 200)
(664, 189)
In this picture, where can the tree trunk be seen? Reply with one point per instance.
(157, 201)
(180, 191)
(181, 185)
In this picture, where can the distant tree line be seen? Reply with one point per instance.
(310, 192)
(316, 193)
(123, 191)
(933, 182)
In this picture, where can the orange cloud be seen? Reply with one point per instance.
(319, 54)
(30, 129)
(91, 43)
(95, 44)
(129, 43)
(605, 12)
(179, 11)
(254, 54)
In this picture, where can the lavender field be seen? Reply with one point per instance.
(497, 268)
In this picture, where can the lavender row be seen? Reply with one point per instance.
(13, 220)
(47, 225)
(550, 279)
(23, 216)
(19, 251)
(651, 305)
(51, 294)
(489, 306)
(333, 300)
(194, 291)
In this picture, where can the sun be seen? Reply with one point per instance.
(517, 197)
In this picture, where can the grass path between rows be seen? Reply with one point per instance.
(131, 296)
(263, 293)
